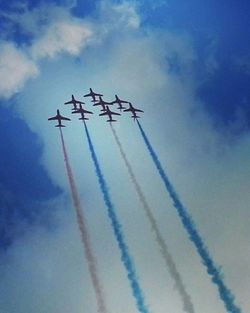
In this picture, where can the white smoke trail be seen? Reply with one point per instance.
(186, 300)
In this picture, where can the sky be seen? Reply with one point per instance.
(187, 66)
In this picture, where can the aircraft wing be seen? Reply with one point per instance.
(76, 111)
(65, 118)
(53, 118)
(114, 113)
(69, 102)
(127, 110)
(81, 111)
(105, 113)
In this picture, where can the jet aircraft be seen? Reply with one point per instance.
(119, 102)
(93, 95)
(74, 102)
(133, 110)
(109, 113)
(59, 118)
(102, 103)
(82, 111)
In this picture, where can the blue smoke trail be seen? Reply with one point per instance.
(225, 294)
(125, 256)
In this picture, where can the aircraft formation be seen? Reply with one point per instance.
(190, 227)
(97, 100)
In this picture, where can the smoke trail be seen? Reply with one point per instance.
(186, 300)
(225, 294)
(84, 234)
(125, 256)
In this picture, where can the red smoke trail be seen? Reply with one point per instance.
(164, 250)
(84, 234)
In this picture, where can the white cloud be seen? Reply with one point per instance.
(210, 176)
(55, 31)
(125, 13)
(15, 69)
(197, 159)
(62, 36)
(113, 18)
(33, 21)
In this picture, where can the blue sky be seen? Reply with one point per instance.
(187, 65)
(219, 29)
(23, 179)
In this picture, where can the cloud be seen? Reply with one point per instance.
(15, 69)
(62, 36)
(124, 14)
(209, 173)
(70, 35)
(117, 17)
(54, 30)
(32, 21)
(192, 151)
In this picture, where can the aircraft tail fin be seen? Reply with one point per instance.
(135, 117)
